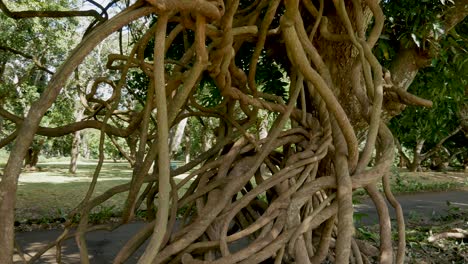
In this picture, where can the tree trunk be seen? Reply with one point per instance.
(132, 142)
(331, 66)
(188, 148)
(417, 158)
(177, 136)
(75, 151)
(207, 137)
(404, 160)
(32, 158)
(84, 147)
(28, 128)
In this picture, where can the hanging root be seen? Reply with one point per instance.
(286, 197)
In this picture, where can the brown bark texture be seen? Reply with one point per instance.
(289, 194)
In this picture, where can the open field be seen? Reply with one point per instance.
(51, 191)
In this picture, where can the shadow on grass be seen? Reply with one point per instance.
(53, 200)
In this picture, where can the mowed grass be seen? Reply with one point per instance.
(53, 192)
(403, 181)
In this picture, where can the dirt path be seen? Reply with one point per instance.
(103, 246)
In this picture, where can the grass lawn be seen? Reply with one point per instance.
(413, 182)
(52, 191)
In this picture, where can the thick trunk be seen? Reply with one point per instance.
(8, 185)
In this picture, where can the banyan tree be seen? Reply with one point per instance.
(287, 196)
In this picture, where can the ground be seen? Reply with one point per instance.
(47, 194)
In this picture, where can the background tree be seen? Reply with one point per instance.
(424, 131)
(30, 50)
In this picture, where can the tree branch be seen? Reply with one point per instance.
(455, 15)
(401, 153)
(27, 56)
(457, 233)
(73, 127)
(408, 61)
(439, 144)
(53, 14)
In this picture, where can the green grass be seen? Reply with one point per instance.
(414, 182)
(404, 182)
(52, 191)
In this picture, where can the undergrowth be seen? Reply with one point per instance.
(418, 230)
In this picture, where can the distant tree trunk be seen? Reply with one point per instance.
(207, 138)
(438, 163)
(401, 163)
(32, 155)
(84, 147)
(75, 151)
(132, 142)
(420, 157)
(178, 136)
(404, 160)
(417, 158)
(263, 128)
(32, 158)
(188, 148)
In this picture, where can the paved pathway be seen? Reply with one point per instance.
(417, 206)
(103, 246)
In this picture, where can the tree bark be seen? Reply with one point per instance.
(415, 164)
(9, 183)
(32, 158)
(75, 151)
(178, 136)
